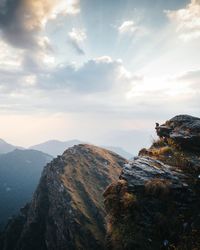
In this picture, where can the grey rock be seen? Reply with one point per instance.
(143, 169)
(183, 130)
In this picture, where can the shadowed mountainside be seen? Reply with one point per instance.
(20, 171)
(67, 210)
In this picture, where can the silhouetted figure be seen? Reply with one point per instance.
(157, 125)
(162, 131)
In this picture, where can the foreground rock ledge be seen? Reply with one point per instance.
(155, 203)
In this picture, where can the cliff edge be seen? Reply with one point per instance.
(155, 203)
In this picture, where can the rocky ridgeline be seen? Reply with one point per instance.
(155, 203)
(67, 210)
(183, 130)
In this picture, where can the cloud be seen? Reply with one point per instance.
(191, 78)
(76, 38)
(101, 74)
(22, 26)
(73, 7)
(127, 27)
(10, 57)
(21, 21)
(132, 29)
(186, 20)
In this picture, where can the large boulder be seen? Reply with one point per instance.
(155, 203)
(150, 207)
(183, 130)
(143, 169)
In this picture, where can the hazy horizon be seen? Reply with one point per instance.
(132, 150)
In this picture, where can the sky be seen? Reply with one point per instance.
(102, 71)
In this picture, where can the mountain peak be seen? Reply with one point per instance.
(55, 147)
(89, 148)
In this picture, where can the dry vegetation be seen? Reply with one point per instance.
(157, 187)
(86, 175)
(127, 212)
(120, 203)
(169, 153)
(118, 198)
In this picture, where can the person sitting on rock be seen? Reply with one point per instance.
(162, 131)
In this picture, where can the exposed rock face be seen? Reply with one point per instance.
(67, 209)
(182, 129)
(155, 203)
(143, 169)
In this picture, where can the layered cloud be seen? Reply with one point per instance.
(76, 38)
(191, 78)
(22, 20)
(98, 75)
(186, 20)
(101, 74)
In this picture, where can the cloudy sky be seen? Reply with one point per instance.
(102, 71)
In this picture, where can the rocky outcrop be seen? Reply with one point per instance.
(67, 210)
(154, 204)
(143, 169)
(183, 130)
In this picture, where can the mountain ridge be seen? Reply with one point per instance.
(6, 147)
(67, 207)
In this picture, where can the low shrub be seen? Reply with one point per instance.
(157, 187)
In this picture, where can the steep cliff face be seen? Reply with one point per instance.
(67, 210)
(155, 203)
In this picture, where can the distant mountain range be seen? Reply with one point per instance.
(119, 151)
(6, 147)
(20, 172)
(56, 147)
